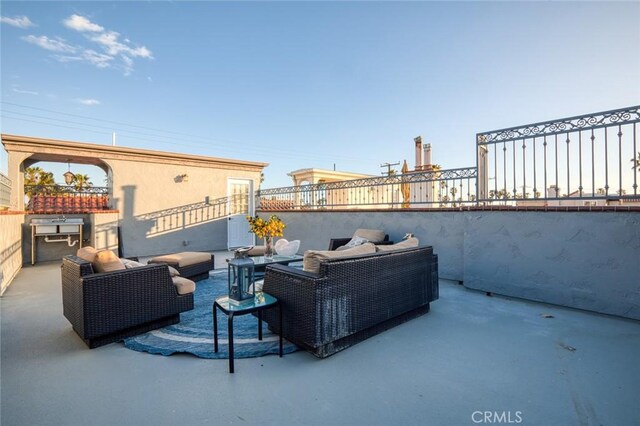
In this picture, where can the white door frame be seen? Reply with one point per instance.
(250, 206)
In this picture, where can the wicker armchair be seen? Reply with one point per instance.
(351, 299)
(107, 307)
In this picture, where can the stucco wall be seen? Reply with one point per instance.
(10, 247)
(157, 212)
(104, 230)
(584, 260)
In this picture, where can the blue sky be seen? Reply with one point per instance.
(310, 84)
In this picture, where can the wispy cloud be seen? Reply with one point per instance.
(109, 42)
(82, 24)
(17, 21)
(88, 102)
(90, 56)
(112, 51)
(25, 92)
(54, 45)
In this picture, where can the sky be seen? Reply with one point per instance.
(309, 84)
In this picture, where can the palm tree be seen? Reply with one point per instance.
(35, 176)
(31, 175)
(82, 181)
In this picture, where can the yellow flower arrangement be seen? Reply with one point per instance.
(273, 227)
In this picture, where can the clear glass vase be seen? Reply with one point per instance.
(268, 247)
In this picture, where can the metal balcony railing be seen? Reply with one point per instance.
(424, 189)
(590, 159)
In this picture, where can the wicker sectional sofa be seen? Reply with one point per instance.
(109, 306)
(351, 299)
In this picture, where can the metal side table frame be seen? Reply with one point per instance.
(261, 302)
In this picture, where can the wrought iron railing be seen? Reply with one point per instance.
(583, 160)
(424, 189)
(66, 199)
(5, 191)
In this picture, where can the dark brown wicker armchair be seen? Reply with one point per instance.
(351, 299)
(107, 307)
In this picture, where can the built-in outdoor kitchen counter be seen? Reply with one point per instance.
(59, 229)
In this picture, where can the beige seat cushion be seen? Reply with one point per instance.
(312, 258)
(183, 285)
(372, 235)
(186, 258)
(408, 243)
(87, 253)
(107, 261)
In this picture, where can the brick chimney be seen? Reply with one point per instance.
(418, 141)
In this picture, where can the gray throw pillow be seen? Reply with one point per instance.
(355, 242)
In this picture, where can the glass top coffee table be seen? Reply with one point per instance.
(283, 260)
(261, 262)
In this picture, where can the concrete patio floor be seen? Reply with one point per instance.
(471, 354)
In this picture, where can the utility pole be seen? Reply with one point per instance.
(113, 139)
(389, 172)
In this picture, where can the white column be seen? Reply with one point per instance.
(427, 155)
(418, 141)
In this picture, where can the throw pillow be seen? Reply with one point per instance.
(404, 244)
(107, 261)
(183, 285)
(287, 248)
(355, 241)
(173, 271)
(372, 235)
(87, 253)
(312, 258)
(130, 264)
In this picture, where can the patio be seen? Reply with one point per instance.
(471, 354)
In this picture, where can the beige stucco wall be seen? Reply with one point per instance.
(159, 213)
(10, 247)
(15, 173)
(104, 230)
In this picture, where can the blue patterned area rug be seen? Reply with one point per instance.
(194, 333)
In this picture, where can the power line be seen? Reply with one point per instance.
(230, 150)
(57, 125)
(388, 166)
(115, 122)
(124, 132)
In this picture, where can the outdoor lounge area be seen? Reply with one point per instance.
(470, 355)
(346, 213)
(460, 312)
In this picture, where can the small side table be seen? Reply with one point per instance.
(260, 302)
